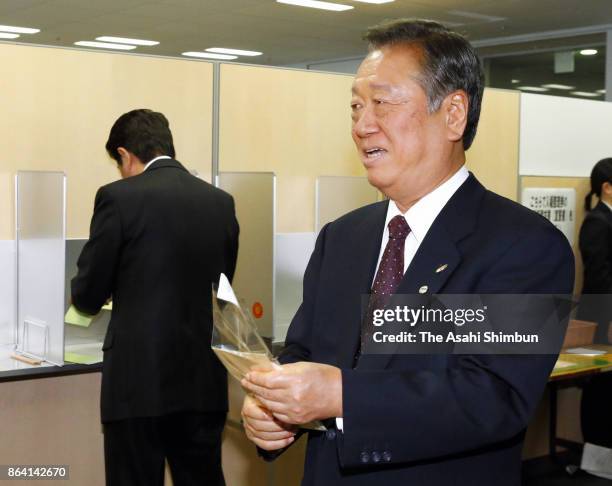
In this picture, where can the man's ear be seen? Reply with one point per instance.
(606, 188)
(456, 110)
(126, 160)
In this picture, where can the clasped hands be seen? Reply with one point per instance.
(281, 399)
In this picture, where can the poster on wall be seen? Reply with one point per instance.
(557, 205)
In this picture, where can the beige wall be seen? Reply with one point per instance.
(493, 157)
(58, 106)
(294, 123)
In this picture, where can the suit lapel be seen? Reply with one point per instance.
(438, 255)
(365, 244)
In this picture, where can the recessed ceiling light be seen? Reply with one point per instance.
(235, 52)
(587, 94)
(18, 30)
(532, 88)
(377, 2)
(125, 40)
(601, 91)
(6, 35)
(515, 81)
(336, 7)
(588, 52)
(209, 55)
(104, 45)
(558, 86)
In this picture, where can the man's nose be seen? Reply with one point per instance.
(366, 122)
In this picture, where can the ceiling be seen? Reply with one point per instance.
(288, 34)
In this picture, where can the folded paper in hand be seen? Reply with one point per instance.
(235, 339)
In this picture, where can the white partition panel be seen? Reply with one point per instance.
(563, 136)
(293, 252)
(41, 236)
(254, 195)
(338, 195)
(7, 292)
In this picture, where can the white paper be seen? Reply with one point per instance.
(557, 205)
(225, 291)
(585, 351)
(597, 460)
(560, 364)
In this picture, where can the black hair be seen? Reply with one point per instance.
(449, 63)
(143, 132)
(602, 172)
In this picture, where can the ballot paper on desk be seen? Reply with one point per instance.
(585, 351)
(77, 318)
(235, 339)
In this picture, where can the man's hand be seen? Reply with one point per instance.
(298, 393)
(262, 429)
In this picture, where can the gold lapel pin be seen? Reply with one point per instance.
(441, 268)
(423, 289)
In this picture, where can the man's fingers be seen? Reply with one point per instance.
(263, 392)
(285, 419)
(269, 425)
(266, 379)
(268, 445)
(252, 410)
(278, 434)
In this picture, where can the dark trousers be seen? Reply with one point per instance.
(135, 450)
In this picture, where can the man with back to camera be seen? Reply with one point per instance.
(411, 419)
(158, 240)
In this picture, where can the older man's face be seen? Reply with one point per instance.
(404, 148)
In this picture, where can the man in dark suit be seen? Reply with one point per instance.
(158, 240)
(404, 419)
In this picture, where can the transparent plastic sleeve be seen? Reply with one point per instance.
(235, 339)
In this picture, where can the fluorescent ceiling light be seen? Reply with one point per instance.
(587, 94)
(336, 7)
(532, 88)
(476, 16)
(377, 2)
(18, 30)
(104, 45)
(588, 52)
(601, 91)
(5, 35)
(558, 86)
(515, 81)
(208, 55)
(234, 52)
(125, 40)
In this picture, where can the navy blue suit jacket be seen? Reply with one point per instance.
(424, 419)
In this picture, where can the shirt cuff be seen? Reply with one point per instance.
(340, 424)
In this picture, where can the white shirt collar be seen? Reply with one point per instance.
(423, 213)
(609, 205)
(153, 160)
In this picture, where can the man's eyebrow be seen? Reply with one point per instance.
(375, 86)
(381, 86)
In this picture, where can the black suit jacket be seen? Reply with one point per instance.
(157, 242)
(596, 250)
(424, 419)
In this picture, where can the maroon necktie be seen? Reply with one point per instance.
(389, 275)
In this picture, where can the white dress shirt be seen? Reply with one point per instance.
(419, 217)
(148, 164)
(609, 205)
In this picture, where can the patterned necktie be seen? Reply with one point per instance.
(389, 275)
